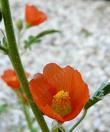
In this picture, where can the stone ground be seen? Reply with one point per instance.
(84, 44)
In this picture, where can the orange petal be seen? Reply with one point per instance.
(40, 90)
(50, 70)
(47, 110)
(77, 110)
(42, 97)
(61, 80)
(79, 94)
(79, 89)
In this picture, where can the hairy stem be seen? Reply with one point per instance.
(77, 123)
(26, 112)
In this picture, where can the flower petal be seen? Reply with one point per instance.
(40, 90)
(61, 80)
(79, 94)
(50, 70)
(47, 110)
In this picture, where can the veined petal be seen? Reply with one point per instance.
(62, 80)
(50, 70)
(40, 90)
(79, 94)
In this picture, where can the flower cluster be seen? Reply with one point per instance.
(59, 92)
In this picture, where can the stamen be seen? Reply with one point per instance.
(61, 103)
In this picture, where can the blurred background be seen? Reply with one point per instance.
(84, 44)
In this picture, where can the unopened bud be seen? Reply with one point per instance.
(19, 24)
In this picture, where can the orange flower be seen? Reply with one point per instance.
(34, 16)
(11, 78)
(60, 93)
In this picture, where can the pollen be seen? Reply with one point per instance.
(61, 103)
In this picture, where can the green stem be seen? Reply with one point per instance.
(58, 128)
(77, 123)
(17, 64)
(26, 112)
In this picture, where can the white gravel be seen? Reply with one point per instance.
(84, 44)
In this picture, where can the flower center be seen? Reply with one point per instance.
(61, 103)
(13, 78)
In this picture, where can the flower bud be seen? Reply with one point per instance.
(19, 24)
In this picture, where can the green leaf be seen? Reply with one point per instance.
(31, 40)
(3, 108)
(47, 32)
(102, 91)
(38, 38)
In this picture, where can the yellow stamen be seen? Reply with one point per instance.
(61, 103)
